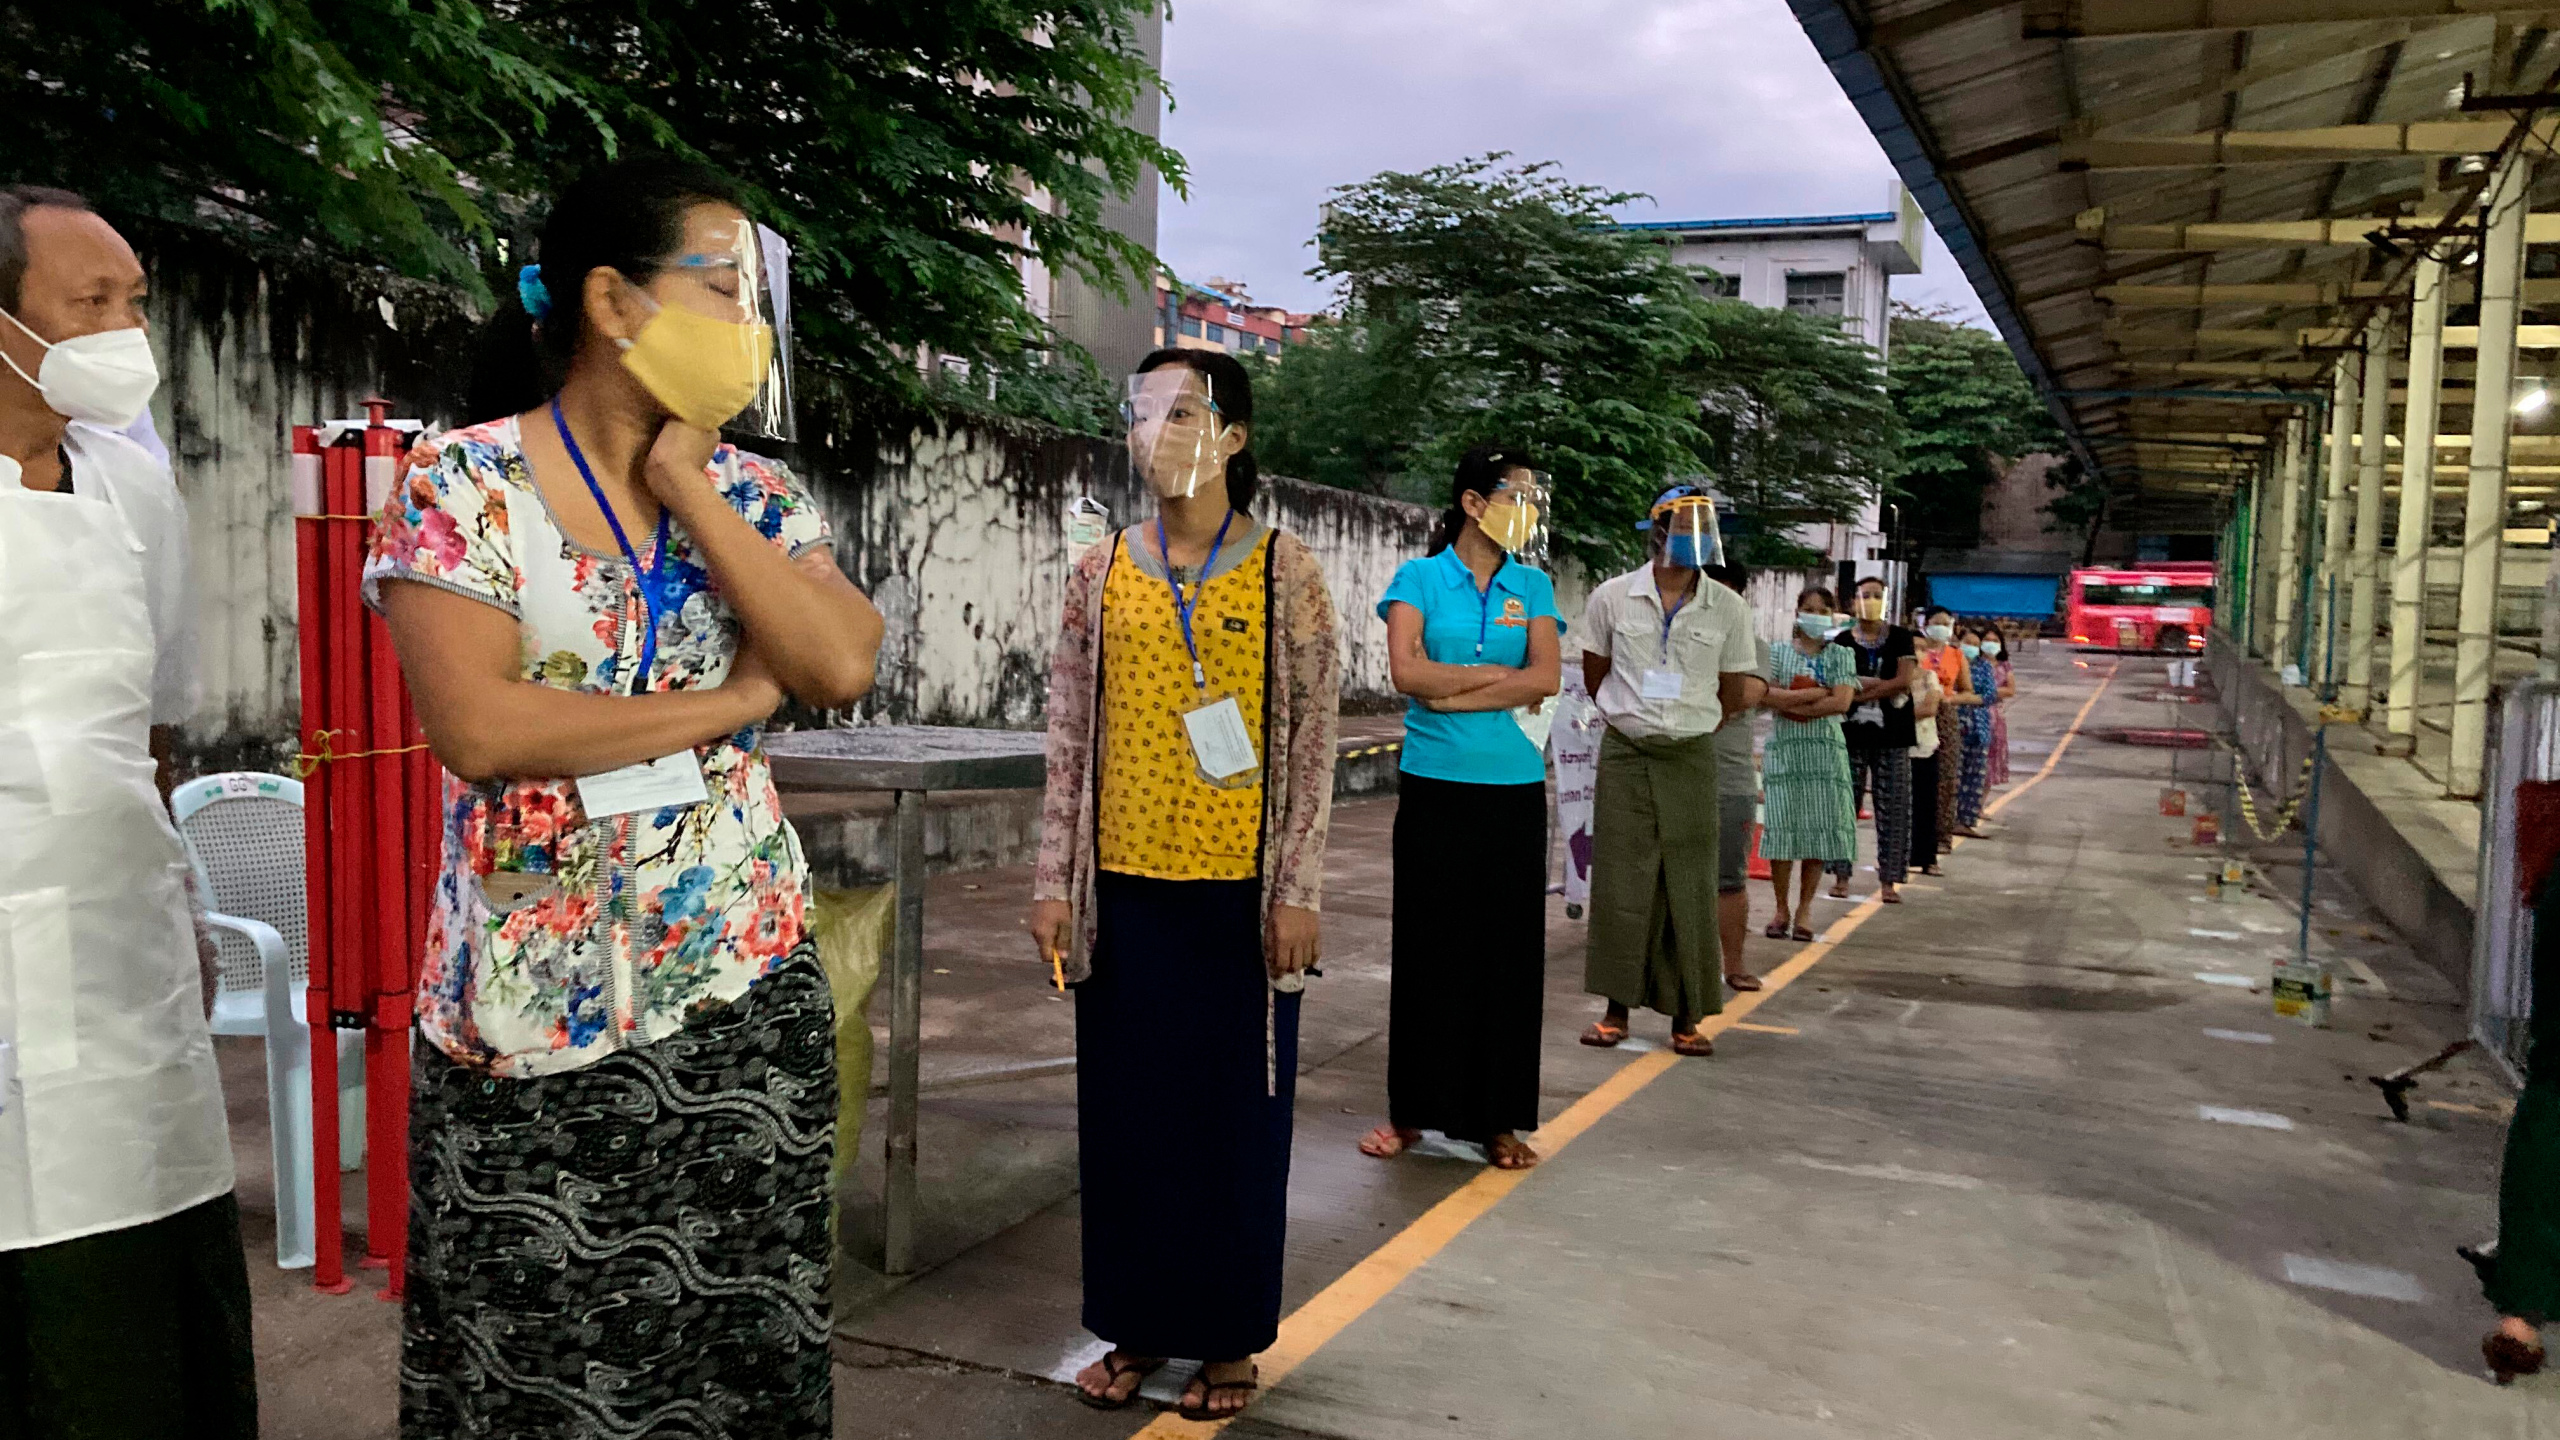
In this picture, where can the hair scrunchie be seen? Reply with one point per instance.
(535, 295)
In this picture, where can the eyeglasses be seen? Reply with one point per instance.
(1152, 408)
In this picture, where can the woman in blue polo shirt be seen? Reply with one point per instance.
(1475, 641)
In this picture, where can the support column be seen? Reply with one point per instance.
(2484, 510)
(2329, 577)
(2364, 562)
(2288, 576)
(2417, 498)
(2266, 489)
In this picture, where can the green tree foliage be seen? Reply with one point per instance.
(1484, 302)
(1487, 301)
(901, 147)
(1967, 411)
(1798, 427)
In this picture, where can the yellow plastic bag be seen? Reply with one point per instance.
(852, 930)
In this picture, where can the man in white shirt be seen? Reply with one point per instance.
(1668, 658)
(124, 1306)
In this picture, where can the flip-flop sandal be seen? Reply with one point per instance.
(1399, 1143)
(1515, 1156)
(1120, 1367)
(1692, 1044)
(1744, 981)
(1800, 933)
(1891, 897)
(1209, 1391)
(1777, 930)
(1604, 1036)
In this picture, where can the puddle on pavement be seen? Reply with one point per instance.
(1890, 985)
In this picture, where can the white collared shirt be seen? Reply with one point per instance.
(1708, 636)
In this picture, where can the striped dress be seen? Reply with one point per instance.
(1811, 810)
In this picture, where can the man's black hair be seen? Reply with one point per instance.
(15, 202)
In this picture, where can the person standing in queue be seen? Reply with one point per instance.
(1737, 797)
(2523, 1280)
(1880, 733)
(1192, 701)
(1955, 684)
(1995, 644)
(1668, 658)
(1927, 699)
(1473, 638)
(1980, 702)
(623, 1131)
(124, 1293)
(1811, 812)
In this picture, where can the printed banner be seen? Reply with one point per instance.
(1576, 742)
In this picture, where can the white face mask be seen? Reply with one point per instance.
(105, 379)
(1940, 633)
(1990, 647)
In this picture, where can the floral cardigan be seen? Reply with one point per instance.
(1300, 724)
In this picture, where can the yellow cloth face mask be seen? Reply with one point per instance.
(1870, 607)
(1510, 526)
(703, 370)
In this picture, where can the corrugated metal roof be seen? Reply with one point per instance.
(2039, 134)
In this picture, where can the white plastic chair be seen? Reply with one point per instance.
(243, 833)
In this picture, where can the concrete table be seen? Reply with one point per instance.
(908, 761)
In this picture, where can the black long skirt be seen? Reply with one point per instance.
(137, 1334)
(1924, 808)
(638, 1247)
(1186, 1067)
(1469, 989)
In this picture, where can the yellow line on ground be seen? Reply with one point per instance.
(1312, 1325)
(1769, 1029)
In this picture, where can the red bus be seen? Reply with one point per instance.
(2148, 607)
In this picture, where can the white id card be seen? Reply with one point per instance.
(1219, 741)
(651, 785)
(1660, 685)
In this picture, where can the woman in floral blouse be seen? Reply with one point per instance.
(623, 1129)
(1191, 739)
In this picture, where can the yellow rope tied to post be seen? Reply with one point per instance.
(324, 750)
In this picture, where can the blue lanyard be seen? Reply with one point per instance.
(1182, 607)
(1670, 613)
(651, 582)
(1484, 604)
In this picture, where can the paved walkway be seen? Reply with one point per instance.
(2026, 1156)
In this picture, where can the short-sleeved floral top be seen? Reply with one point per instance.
(554, 939)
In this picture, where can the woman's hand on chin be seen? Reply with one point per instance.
(677, 460)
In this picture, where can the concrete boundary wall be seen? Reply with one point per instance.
(2383, 824)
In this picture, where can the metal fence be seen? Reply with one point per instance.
(2527, 741)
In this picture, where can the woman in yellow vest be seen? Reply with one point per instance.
(1191, 742)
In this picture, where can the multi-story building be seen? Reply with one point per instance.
(1819, 265)
(1221, 315)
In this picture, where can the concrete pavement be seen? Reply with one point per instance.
(2025, 1156)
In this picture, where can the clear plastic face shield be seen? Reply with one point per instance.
(1515, 515)
(1685, 529)
(1178, 439)
(716, 349)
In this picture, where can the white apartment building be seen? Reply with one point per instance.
(1821, 265)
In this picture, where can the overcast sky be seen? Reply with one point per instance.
(1714, 107)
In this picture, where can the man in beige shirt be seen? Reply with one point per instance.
(1668, 659)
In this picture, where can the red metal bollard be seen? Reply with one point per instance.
(310, 547)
